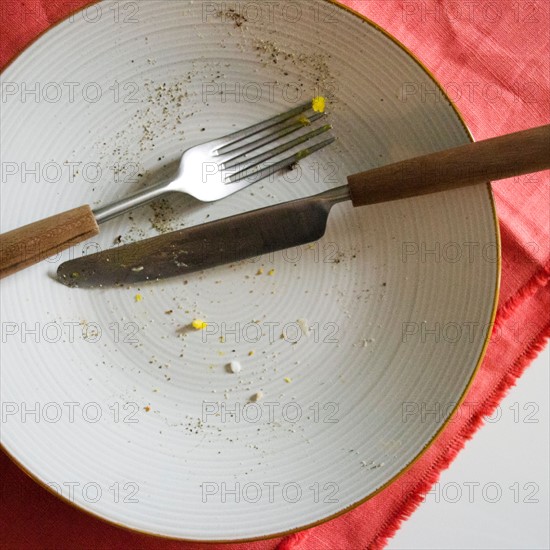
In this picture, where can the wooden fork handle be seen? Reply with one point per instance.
(481, 162)
(37, 241)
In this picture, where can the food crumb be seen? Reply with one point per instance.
(257, 396)
(235, 367)
(199, 324)
(304, 326)
(147, 408)
(169, 311)
(250, 353)
(137, 269)
(271, 272)
(260, 271)
(319, 104)
(287, 380)
(138, 297)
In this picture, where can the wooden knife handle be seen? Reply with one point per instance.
(37, 241)
(493, 159)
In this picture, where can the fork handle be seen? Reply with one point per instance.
(37, 241)
(127, 204)
(480, 162)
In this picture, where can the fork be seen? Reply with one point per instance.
(208, 172)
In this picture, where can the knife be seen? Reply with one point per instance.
(302, 221)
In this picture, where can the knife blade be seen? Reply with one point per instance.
(304, 220)
(208, 245)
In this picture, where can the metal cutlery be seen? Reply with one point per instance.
(208, 172)
(302, 221)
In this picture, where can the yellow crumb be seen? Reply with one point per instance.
(222, 339)
(138, 297)
(260, 271)
(199, 324)
(251, 353)
(271, 272)
(147, 408)
(319, 104)
(304, 120)
(288, 380)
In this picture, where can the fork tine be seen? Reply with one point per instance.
(254, 161)
(243, 179)
(232, 157)
(254, 129)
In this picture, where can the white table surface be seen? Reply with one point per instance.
(510, 455)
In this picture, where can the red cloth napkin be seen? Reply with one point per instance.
(493, 59)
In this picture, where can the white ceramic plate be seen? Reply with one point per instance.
(139, 422)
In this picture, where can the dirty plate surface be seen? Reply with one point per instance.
(361, 344)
